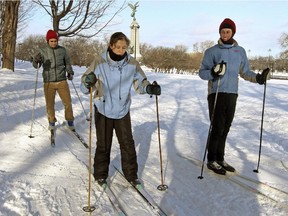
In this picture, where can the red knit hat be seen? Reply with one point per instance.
(228, 23)
(51, 34)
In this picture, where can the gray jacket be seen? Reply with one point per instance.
(55, 63)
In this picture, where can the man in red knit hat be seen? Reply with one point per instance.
(221, 66)
(56, 69)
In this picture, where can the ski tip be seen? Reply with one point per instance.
(138, 186)
(104, 186)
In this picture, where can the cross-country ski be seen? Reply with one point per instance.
(263, 189)
(77, 135)
(144, 194)
(52, 138)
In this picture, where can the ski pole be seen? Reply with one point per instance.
(87, 118)
(33, 109)
(89, 208)
(161, 187)
(210, 129)
(261, 128)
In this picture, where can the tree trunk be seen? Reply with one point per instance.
(9, 34)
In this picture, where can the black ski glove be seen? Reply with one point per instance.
(38, 59)
(219, 69)
(153, 89)
(261, 78)
(90, 80)
(70, 76)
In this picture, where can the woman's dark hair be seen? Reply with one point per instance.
(118, 36)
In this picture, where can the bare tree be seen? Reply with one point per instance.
(19, 20)
(29, 47)
(1, 27)
(168, 60)
(200, 47)
(84, 18)
(82, 51)
(25, 14)
(9, 33)
(284, 44)
(196, 60)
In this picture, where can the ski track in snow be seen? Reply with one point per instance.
(39, 180)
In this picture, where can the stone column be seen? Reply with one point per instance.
(134, 39)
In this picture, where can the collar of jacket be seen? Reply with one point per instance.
(53, 48)
(227, 46)
(117, 64)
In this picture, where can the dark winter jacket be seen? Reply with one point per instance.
(236, 64)
(115, 79)
(55, 63)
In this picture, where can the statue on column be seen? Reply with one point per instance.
(134, 33)
(133, 7)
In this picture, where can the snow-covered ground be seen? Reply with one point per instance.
(37, 179)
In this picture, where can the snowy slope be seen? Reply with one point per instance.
(39, 180)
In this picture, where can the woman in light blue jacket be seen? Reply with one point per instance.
(221, 66)
(111, 75)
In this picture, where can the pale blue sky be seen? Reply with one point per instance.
(168, 23)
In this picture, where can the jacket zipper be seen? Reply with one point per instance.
(120, 69)
(55, 65)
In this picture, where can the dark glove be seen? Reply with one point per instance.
(70, 76)
(261, 78)
(90, 80)
(219, 69)
(153, 89)
(38, 59)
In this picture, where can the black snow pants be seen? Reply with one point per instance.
(223, 117)
(104, 134)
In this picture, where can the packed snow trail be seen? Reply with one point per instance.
(124, 195)
(274, 194)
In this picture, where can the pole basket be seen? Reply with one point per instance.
(89, 208)
(162, 187)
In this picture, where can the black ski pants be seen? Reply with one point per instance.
(104, 134)
(223, 117)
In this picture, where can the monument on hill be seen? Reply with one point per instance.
(134, 33)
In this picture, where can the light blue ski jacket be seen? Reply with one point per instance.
(114, 81)
(236, 64)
